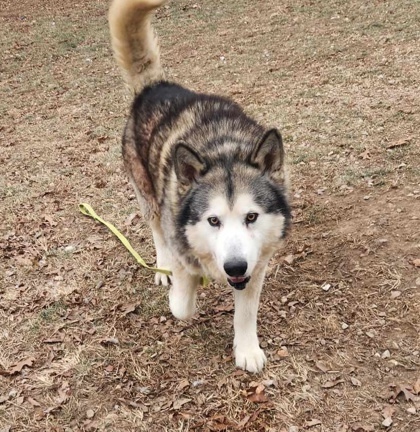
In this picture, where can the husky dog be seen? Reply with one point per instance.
(211, 182)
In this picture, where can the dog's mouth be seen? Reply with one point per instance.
(239, 283)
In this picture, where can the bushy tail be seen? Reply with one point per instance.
(134, 42)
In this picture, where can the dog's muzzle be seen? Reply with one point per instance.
(239, 283)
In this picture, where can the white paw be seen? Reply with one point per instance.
(164, 262)
(251, 359)
(162, 279)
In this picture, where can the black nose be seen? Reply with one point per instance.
(235, 268)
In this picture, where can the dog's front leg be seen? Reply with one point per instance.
(183, 292)
(248, 354)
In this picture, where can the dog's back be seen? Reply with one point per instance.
(164, 114)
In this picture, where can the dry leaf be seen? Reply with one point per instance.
(128, 308)
(179, 402)
(269, 383)
(395, 294)
(243, 422)
(224, 308)
(63, 392)
(50, 220)
(365, 155)
(388, 411)
(23, 261)
(355, 382)
(400, 143)
(322, 366)
(314, 422)
(416, 387)
(183, 384)
(283, 353)
(359, 427)
(256, 392)
(330, 384)
(406, 391)
(260, 389)
(54, 340)
(407, 110)
(33, 402)
(19, 366)
(219, 427)
(102, 138)
(132, 219)
(258, 397)
(289, 259)
(51, 409)
(407, 394)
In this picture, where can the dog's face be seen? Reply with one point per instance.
(234, 214)
(234, 235)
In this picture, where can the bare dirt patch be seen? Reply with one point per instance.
(87, 341)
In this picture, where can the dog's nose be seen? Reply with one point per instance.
(235, 268)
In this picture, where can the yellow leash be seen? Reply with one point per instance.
(87, 210)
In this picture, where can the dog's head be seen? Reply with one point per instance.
(235, 210)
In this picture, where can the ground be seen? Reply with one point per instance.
(88, 342)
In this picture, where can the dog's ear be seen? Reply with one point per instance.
(269, 153)
(188, 164)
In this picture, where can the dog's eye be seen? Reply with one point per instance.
(251, 218)
(214, 221)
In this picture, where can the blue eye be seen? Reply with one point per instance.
(214, 221)
(251, 218)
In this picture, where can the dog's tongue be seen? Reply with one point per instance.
(237, 279)
(238, 283)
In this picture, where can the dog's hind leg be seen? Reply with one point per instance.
(163, 255)
(183, 293)
(248, 354)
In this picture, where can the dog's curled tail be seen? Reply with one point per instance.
(134, 42)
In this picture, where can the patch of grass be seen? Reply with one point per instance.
(354, 177)
(47, 316)
(303, 157)
(315, 214)
(83, 366)
(53, 312)
(154, 301)
(375, 172)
